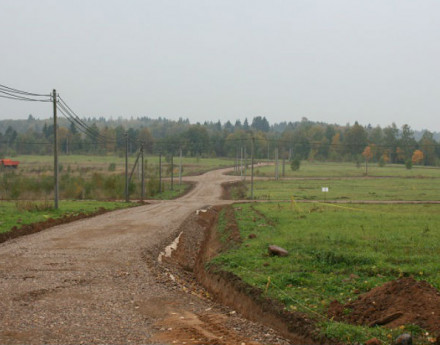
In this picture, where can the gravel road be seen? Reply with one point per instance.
(87, 282)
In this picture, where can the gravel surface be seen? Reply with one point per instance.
(88, 282)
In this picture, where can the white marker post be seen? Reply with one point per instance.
(325, 190)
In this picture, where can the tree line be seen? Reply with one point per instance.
(299, 140)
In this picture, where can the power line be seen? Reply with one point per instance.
(20, 95)
(83, 127)
(23, 92)
(20, 98)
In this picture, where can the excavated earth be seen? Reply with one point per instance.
(399, 302)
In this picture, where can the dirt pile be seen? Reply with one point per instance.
(396, 303)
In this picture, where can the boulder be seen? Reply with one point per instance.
(278, 251)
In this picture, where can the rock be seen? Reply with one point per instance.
(373, 341)
(404, 339)
(278, 251)
(251, 236)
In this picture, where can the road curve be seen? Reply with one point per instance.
(86, 281)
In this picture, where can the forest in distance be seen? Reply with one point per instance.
(301, 139)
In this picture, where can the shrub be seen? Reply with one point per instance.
(295, 164)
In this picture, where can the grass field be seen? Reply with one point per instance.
(347, 182)
(396, 188)
(328, 245)
(340, 169)
(25, 212)
(84, 163)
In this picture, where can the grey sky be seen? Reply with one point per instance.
(338, 61)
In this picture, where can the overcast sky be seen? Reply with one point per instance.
(337, 61)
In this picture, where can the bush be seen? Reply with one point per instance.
(409, 164)
(295, 164)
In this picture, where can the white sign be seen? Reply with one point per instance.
(325, 189)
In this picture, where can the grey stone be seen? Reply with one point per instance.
(278, 251)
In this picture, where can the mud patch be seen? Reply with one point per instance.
(205, 328)
(399, 302)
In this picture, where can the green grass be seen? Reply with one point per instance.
(339, 169)
(395, 188)
(20, 213)
(327, 244)
(168, 194)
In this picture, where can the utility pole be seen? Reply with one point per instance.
(160, 172)
(55, 149)
(252, 166)
(241, 162)
(180, 168)
(276, 164)
(284, 165)
(142, 174)
(172, 171)
(126, 168)
(245, 163)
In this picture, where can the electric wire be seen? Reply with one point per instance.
(23, 92)
(10, 95)
(72, 116)
(83, 129)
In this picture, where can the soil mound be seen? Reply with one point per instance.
(399, 302)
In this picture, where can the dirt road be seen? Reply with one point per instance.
(87, 282)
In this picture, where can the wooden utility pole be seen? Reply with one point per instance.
(241, 162)
(284, 167)
(276, 164)
(172, 172)
(55, 149)
(160, 172)
(252, 166)
(126, 168)
(180, 168)
(142, 173)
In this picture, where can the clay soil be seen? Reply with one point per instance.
(399, 302)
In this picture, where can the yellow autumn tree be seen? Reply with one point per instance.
(417, 157)
(368, 155)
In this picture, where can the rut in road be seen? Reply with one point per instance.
(86, 282)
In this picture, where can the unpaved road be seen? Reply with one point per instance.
(87, 282)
